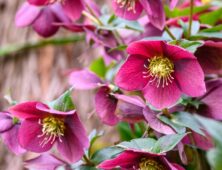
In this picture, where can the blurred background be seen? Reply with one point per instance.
(38, 72)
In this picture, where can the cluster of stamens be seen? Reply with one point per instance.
(52, 128)
(129, 5)
(159, 70)
(150, 164)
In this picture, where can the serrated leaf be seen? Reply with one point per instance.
(167, 143)
(104, 154)
(143, 144)
(187, 120)
(63, 103)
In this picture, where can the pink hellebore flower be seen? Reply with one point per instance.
(132, 9)
(162, 72)
(72, 8)
(9, 128)
(42, 19)
(42, 127)
(133, 160)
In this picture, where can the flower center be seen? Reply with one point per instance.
(150, 164)
(129, 5)
(52, 127)
(160, 70)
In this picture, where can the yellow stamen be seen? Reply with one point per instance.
(129, 5)
(206, 1)
(150, 164)
(52, 127)
(160, 69)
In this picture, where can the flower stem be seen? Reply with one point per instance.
(170, 33)
(191, 18)
(87, 161)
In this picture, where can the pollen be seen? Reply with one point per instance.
(159, 70)
(52, 128)
(150, 164)
(129, 5)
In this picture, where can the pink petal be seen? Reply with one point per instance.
(44, 24)
(10, 138)
(155, 123)
(26, 110)
(44, 108)
(173, 3)
(38, 2)
(44, 162)
(161, 97)
(105, 105)
(130, 76)
(124, 13)
(155, 12)
(84, 80)
(73, 8)
(6, 122)
(190, 77)
(30, 136)
(26, 15)
(126, 158)
(146, 49)
(136, 100)
(59, 13)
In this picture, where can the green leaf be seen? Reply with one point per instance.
(211, 18)
(118, 48)
(188, 45)
(93, 136)
(203, 35)
(185, 25)
(214, 158)
(104, 154)
(98, 66)
(178, 128)
(63, 103)
(213, 29)
(143, 144)
(167, 143)
(86, 167)
(187, 120)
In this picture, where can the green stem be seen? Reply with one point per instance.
(191, 18)
(12, 49)
(170, 33)
(87, 161)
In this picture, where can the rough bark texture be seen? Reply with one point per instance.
(37, 74)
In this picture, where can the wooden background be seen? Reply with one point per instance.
(38, 74)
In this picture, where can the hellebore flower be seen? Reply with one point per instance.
(132, 9)
(162, 72)
(72, 8)
(42, 127)
(110, 106)
(9, 128)
(42, 19)
(45, 162)
(133, 160)
(210, 57)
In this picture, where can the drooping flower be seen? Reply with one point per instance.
(9, 127)
(133, 160)
(72, 8)
(132, 9)
(42, 127)
(42, 19)
(162, 72)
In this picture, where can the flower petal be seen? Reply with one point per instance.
(30, 136)
(147, 49)
(130, 76)
(6, 122)
(161, 97)
(190, 77)
(26, 15)
(105, 105)
(125, 13)
(155, 12)
(155, 123)
(73, 9)
(38, 2)
(26, 110)
(84, 80)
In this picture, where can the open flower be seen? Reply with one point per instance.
(72, 8)
(42, 127)
(162, 72)
(133, 159)
(132, 9)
